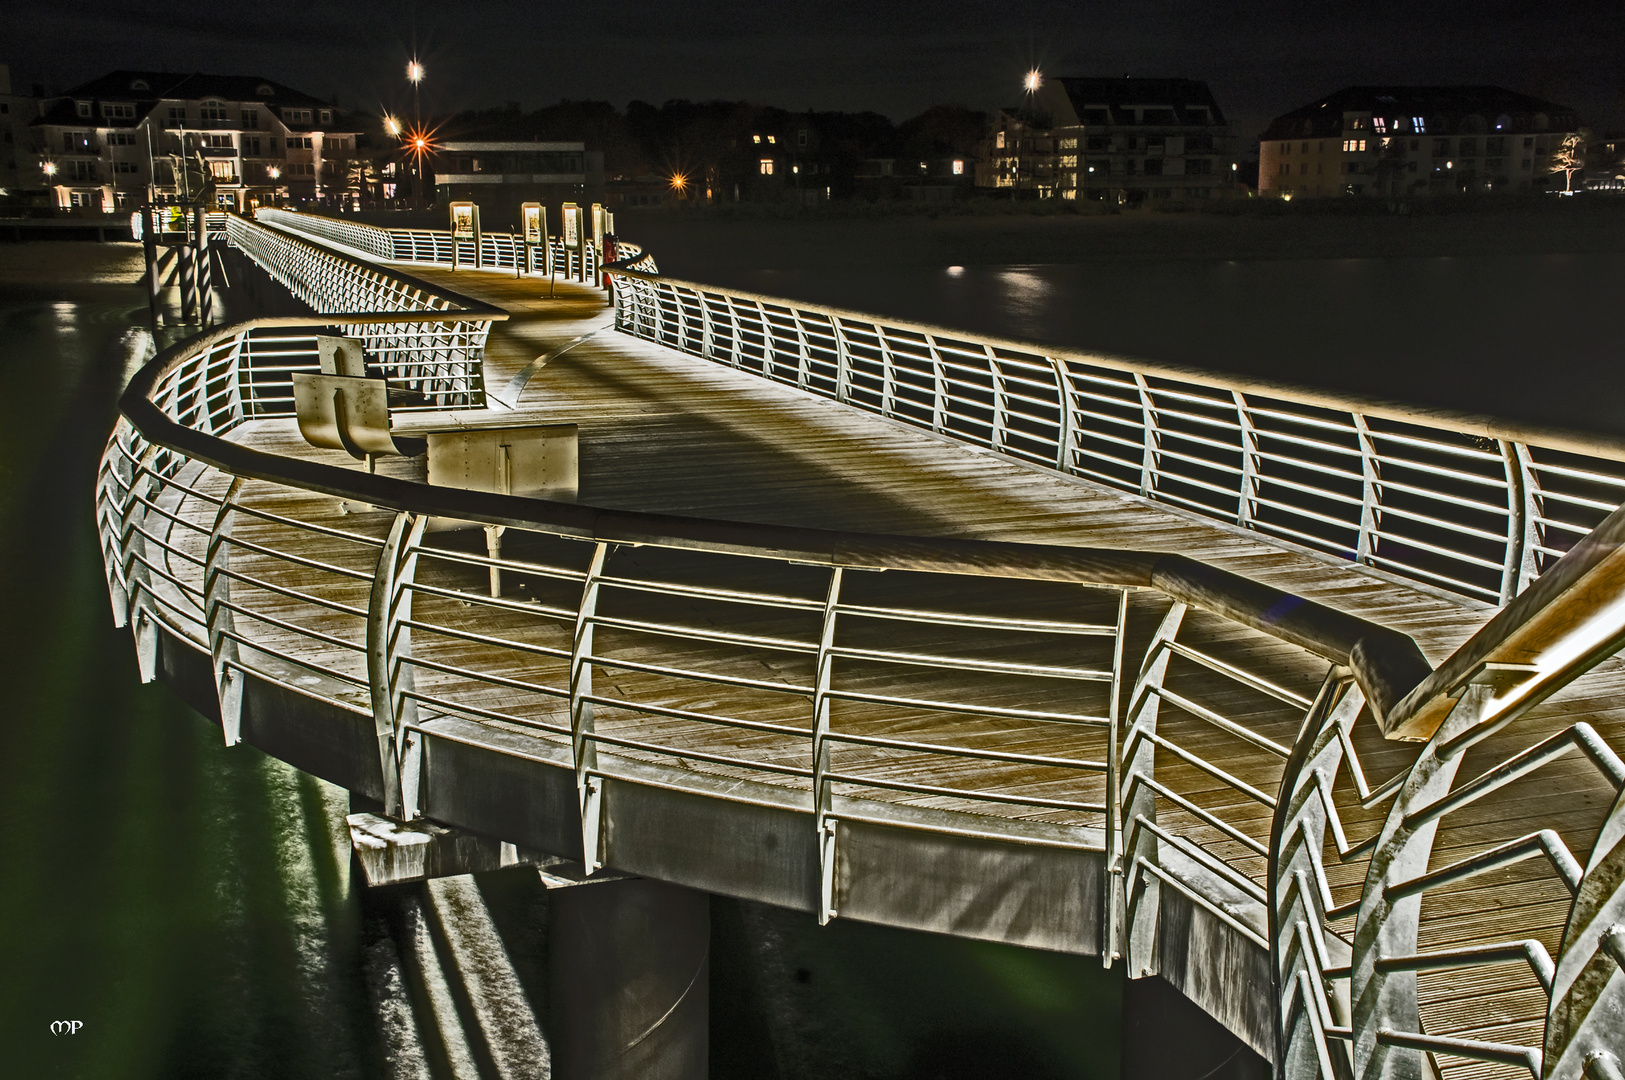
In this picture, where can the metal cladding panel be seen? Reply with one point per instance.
(1218, 969)
(515, 798)
(188, 671)
(322, 739)
(744, 850)
(1038, 896)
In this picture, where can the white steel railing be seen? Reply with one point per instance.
(440, 358)
(1475, 885)
(988, 682)
(973, 678)
(1468, 505)
(436, 247)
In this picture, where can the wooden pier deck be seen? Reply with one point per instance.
(664, 432)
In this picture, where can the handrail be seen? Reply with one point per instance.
(1465, 504)
(1387, 662)
(455, 302)
(1570, 440)
(437, 247)
(1559, 628)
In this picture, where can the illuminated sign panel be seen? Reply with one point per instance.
(464, 220)
(533, 222)
(572, 226)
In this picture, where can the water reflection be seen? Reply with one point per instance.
(1525, 337)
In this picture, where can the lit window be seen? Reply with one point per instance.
(1418, 125)
(1380, 123)
(998, 140)
(755, 138)
(959, 167)
(767, 166)
(771, 139)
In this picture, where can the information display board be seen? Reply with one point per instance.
(533, 222)
(571, 224)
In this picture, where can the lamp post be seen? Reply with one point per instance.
(414, 75)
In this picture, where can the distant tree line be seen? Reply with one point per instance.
(700, 139)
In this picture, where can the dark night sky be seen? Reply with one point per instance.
(892, 56)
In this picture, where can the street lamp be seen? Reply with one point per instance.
(392, 126)
(49, 167)
(1033, 81)
(414, 75)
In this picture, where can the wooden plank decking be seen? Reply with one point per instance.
(670, 433)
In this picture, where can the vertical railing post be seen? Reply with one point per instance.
(1532, 507)
(708, 333)
(1001, 403)
(1370, 493)
(888, 372)
(1388, 927)
(1111, 946)
(803, 350)
(843, 361)
(1141, 889)
(389, 668)
(939, 388)
(1299, 944)
(113, 496)
(1247, 493)
(1150, 443)
(219, 619)
(137, 580)
(583, 747)
(1065, 428)
(822, 800)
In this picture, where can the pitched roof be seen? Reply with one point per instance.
(145, 89)
(1127, 93)
(1443, 109)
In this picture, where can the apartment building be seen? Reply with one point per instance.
(115, 141)
(1124, 139)
(17, 166)
(1405, 141)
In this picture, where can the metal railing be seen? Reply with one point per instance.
(1371, 984)
(977, 678)
(988, 682)
(436, 247)
(440, 358)
(1460, 503)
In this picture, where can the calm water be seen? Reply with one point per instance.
(192, 906)
(1534, 338)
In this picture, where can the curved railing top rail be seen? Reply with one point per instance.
(1560, 627)
(1567, 440)
(462, 304)
(1387, 663)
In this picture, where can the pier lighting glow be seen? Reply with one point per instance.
(414, 72)
(1033, 81)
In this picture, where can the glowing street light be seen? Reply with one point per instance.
(414, 71)
(679, 183)
(273, 172)
(1033, 81)
(49, 167)
(392, 126)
